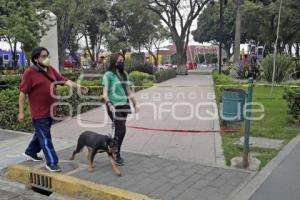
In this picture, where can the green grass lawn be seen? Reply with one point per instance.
(276, 124)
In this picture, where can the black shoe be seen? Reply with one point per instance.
(119, 160)
(54, 168)
(35, 158)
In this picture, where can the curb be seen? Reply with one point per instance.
(67, 185)
(254, 182)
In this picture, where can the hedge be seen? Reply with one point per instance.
(292, 95)
(164, 75)
(9, 106)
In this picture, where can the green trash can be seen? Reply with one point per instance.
(233, 105)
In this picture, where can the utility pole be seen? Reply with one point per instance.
(237, 35)
(221, 35)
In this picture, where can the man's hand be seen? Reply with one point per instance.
(21, 117)
(84, 90)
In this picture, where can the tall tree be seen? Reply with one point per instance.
(68, 13)
(136, 21)
(155, 39)
(95, 25)
(208, 26)
(21, 21)
(237, 35)
(178, 13)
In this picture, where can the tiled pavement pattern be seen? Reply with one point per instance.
(179, 103)
(156, 177)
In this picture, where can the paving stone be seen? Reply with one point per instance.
(160, 178)
(263, 142)
(178, 179)
(201, 184)
(189, 194)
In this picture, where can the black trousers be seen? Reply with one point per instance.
(120, 124)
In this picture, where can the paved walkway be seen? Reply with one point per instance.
(162, 165)
(284, 180)
(179, 103)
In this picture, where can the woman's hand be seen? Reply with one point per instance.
(112, 108)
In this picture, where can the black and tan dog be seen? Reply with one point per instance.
(97, 143)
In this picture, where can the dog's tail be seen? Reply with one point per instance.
(79, 147)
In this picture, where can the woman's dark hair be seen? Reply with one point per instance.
(36, 53)
(113, 58)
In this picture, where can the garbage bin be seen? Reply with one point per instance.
(233, 105)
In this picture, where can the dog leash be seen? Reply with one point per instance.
(164, 130)
(113, 125)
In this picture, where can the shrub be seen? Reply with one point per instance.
(9, 108)
(221, 79)
(284, 65)
(138, 78)
(199, 58)
(292, 95)
(132, 65)
(211, 58)
(164, 75)
(95, 92)
(9, 105)
(9, 82)
(71, 75)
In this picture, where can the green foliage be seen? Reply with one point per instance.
(9, 108)
(164, 75)
(73, 76)
(138, 57)
(221, 79)
(136, 21)
(199, 58)
(133, 65)
(139, 78)
(211, 58)
(173, 59)
(208, 25)
(22, 21)
(292, 96)
(284, 65)
(259, 20)
(9, 82)
(95, 91)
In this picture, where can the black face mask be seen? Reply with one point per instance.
(120, 66)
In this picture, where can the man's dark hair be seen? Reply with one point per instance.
(36, 53)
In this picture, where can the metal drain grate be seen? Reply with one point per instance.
(41, 181)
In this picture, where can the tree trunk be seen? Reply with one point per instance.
(229, 54)
(297, 50)
(237, 40)
(181, 57)
(61, 54)
(290, 46)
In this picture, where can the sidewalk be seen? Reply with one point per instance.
(13, 191)
(160, 165)
(163, 106)
(284, 180)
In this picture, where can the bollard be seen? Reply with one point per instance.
(247, 123)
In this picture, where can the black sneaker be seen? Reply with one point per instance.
(35, 158)
(119, 160)
(54, 168)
